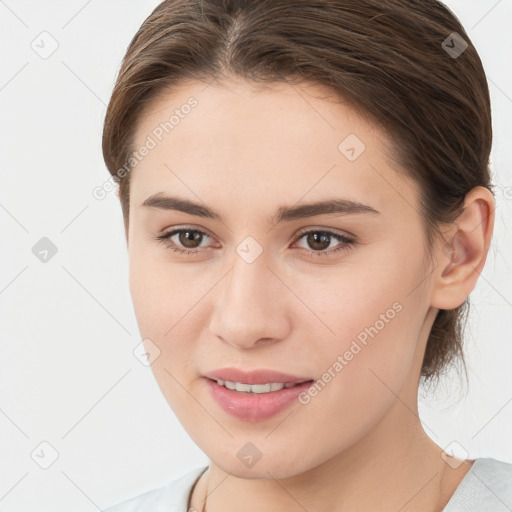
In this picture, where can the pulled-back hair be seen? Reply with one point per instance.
(397, 62)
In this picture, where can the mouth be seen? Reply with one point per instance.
(258, 400)
(262, 381)
(262, 388)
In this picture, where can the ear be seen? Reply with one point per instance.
(462, 254)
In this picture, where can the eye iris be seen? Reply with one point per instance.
(318, 238)
(188, 238)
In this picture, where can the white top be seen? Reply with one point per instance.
(486, 487)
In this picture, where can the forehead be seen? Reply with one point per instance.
(289, 140)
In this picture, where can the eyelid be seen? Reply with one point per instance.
(334, 231)
(185, 227)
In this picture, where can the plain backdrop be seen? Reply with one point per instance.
(73, 396)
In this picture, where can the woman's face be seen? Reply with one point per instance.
(335, 294)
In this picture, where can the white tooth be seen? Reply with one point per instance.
(254, 388)
(243, 387)
(261, 388)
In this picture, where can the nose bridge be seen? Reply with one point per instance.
(249, 277)
(249, 307)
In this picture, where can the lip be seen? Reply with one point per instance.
(254, 406)
(263, 376)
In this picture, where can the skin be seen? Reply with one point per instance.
(245, 151)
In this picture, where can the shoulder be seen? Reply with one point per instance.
(173, 497)
(486, 486)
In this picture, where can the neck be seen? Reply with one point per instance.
(363, 477)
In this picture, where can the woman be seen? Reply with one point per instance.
(307, 204)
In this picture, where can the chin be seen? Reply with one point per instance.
(262, 470)
(234, 458)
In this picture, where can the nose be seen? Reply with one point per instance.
(251, 306)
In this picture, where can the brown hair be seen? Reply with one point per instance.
(392, 60)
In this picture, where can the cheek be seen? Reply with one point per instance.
(362, 370)
(371, 324)
(163, 303)
(168, 303)
(163, 294)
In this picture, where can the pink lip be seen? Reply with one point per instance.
(254, 406)
(254, 377)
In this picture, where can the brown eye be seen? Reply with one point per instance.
(318, 241)
(190, 239)
(184, 240)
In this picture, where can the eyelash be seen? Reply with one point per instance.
(345, 245)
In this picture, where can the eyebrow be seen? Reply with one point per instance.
(337, 206)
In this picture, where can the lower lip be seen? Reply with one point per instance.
(255, 406)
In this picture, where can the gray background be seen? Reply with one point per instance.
(68, 375)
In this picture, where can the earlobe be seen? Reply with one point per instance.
(464, 252)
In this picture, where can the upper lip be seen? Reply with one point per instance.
(263, 376)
